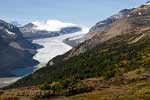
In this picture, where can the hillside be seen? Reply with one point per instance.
(134, 21)
(114, 68)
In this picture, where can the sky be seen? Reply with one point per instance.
(82, 12)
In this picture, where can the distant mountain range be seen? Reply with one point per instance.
(49, 28)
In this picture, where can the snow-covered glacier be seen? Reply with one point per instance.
(54, 46)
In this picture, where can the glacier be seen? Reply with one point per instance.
(53, 47)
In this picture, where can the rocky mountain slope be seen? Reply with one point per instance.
(15, 51)
(129, 21)
(113, 64)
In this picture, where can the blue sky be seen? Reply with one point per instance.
(83, 12)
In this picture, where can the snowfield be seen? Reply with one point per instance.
(51, 25)
(53, 47)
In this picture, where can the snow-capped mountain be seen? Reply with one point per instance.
(51, 25)
(9, 31)
(49, 28)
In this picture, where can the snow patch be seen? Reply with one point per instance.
(51, 25)
(9, 32)
(147, 3)
(76, 37)
(139, 13)
(128, 15)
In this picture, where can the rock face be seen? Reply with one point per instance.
(50, 28)
(15, 51)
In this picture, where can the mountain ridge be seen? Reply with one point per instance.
(49, 28)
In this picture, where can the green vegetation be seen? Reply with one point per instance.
(64, 88)
(135, 91)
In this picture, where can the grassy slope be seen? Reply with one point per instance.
(135, 91)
